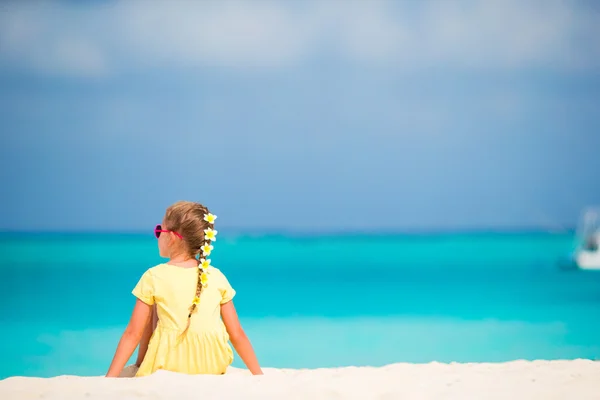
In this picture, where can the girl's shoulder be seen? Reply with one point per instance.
(164, 270)
(157, 270)
(215, 270)
(218, 276)
(159, 267)
(215, 273)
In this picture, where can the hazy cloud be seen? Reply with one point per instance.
(103, 37)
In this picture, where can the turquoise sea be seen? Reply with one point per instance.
(310, 301)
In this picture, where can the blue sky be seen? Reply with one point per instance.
(327, 115)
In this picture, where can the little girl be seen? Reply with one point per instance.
(193, 300)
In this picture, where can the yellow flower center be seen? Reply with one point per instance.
(204, 278)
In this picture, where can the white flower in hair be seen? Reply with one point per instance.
(210, 218)
(206, 249)
(205, 265)
(210, 234)
(204, 279)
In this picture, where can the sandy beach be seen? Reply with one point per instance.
(547, 380)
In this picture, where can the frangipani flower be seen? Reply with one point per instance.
(196, 300)
(206, 249)
(204, 265)
(204, 278)
(210, 218)
(210, 234)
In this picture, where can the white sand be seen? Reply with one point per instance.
(544, 380)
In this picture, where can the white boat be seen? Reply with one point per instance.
(587, 251)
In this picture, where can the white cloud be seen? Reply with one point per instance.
(36, 36)
(128, 35)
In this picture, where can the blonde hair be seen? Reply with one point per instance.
(189, 220)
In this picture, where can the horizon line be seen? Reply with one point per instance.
(320, 232)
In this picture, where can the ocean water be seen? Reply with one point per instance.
(308, 302)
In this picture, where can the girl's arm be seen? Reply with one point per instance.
(131, 338)
(238, 338)
(150, 326)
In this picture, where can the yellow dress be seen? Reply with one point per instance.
(204, 348)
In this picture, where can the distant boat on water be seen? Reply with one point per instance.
(587, 249)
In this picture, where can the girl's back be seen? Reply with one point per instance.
(204, 347)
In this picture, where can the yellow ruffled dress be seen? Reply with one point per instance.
(204, 348)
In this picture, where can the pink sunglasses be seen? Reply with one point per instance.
(158, 230)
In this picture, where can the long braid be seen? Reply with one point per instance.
(198, 290)
(201, 270)
(193, 306)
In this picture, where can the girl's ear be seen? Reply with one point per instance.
(169, 240)
(172, 240)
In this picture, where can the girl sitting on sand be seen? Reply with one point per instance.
(193, 300)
